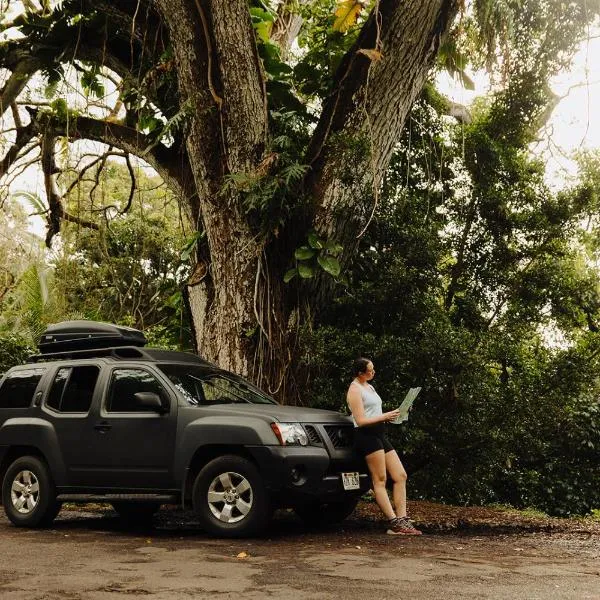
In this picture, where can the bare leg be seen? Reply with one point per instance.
(398, 474)
(376, 462)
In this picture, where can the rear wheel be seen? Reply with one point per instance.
(318, 513)
(230, 498)
(29, 494)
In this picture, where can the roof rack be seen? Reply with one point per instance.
(119, 352)
(87, 335)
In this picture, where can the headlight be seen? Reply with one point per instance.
(290, 434)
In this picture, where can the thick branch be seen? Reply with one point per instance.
(49, 168)
(20, 76)
(171, 165)
(24, 136)
(363, 118)
(243, 83)
(287, 26)
(195, 60)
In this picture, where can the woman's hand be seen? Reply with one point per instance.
(391, 415)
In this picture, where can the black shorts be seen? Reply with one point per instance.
(371, 438)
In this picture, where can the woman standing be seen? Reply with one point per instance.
(370, 441)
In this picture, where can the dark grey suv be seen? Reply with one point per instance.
(98, 417)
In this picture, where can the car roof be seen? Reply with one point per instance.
(120, 353)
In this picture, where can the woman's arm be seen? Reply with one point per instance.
(358, 411)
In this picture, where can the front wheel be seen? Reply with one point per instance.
(28, 493)
(230, 498)
(321, 514)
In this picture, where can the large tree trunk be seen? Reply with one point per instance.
(220, 76)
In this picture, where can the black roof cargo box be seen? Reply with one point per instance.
(85, 335)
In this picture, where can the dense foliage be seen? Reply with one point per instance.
(479, 284)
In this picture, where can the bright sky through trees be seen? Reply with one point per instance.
(574, 124)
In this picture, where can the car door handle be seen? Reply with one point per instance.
(102, 427)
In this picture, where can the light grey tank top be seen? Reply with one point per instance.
(371, 401)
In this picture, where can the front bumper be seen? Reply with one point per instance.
(297, 475)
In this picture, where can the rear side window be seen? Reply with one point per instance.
(18, 388)
(73, 389)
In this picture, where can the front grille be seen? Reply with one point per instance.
(313, 435)
(341, 436)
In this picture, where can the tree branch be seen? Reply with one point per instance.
(287, 26)
(24, 136)
(369, 104)
(133, 185)
(171, 165)
(19, 78)
(245, 115)
(49, 168)
(81, 172)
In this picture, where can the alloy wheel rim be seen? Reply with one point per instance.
(25, 492)
(230, 497)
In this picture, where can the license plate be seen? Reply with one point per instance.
(350, 481)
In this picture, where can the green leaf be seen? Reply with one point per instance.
(330, 264)
(289, 275)
(263, 31)
(315, 241)
(305, 271)
(304, 253)
(191, 244)
(260, 14)
(333, 248)
(59, 106)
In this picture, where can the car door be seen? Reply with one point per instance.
(66, 407)
(130, 446)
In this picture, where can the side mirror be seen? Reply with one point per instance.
(150, 401)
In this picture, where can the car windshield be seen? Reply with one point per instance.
(205, 388)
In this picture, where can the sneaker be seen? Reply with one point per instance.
(402, 526)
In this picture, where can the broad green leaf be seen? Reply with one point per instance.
(191, 244)
(289, 275)
(333, 248)
(259, 14)
(330, 264)
(314, 241)
(304, 253)
(263, 30)
(305, 271)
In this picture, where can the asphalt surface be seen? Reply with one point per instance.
(94, 556)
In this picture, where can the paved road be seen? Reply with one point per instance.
(93, 556)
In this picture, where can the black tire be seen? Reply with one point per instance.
(230, 498)
(322, 514)
(29, 494)
(136, 513)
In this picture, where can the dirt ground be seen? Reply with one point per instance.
(465, 553)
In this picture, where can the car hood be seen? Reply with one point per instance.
(283, 414)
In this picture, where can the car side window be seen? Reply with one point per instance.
(73, 389)
(18, 388)
(125, 383)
